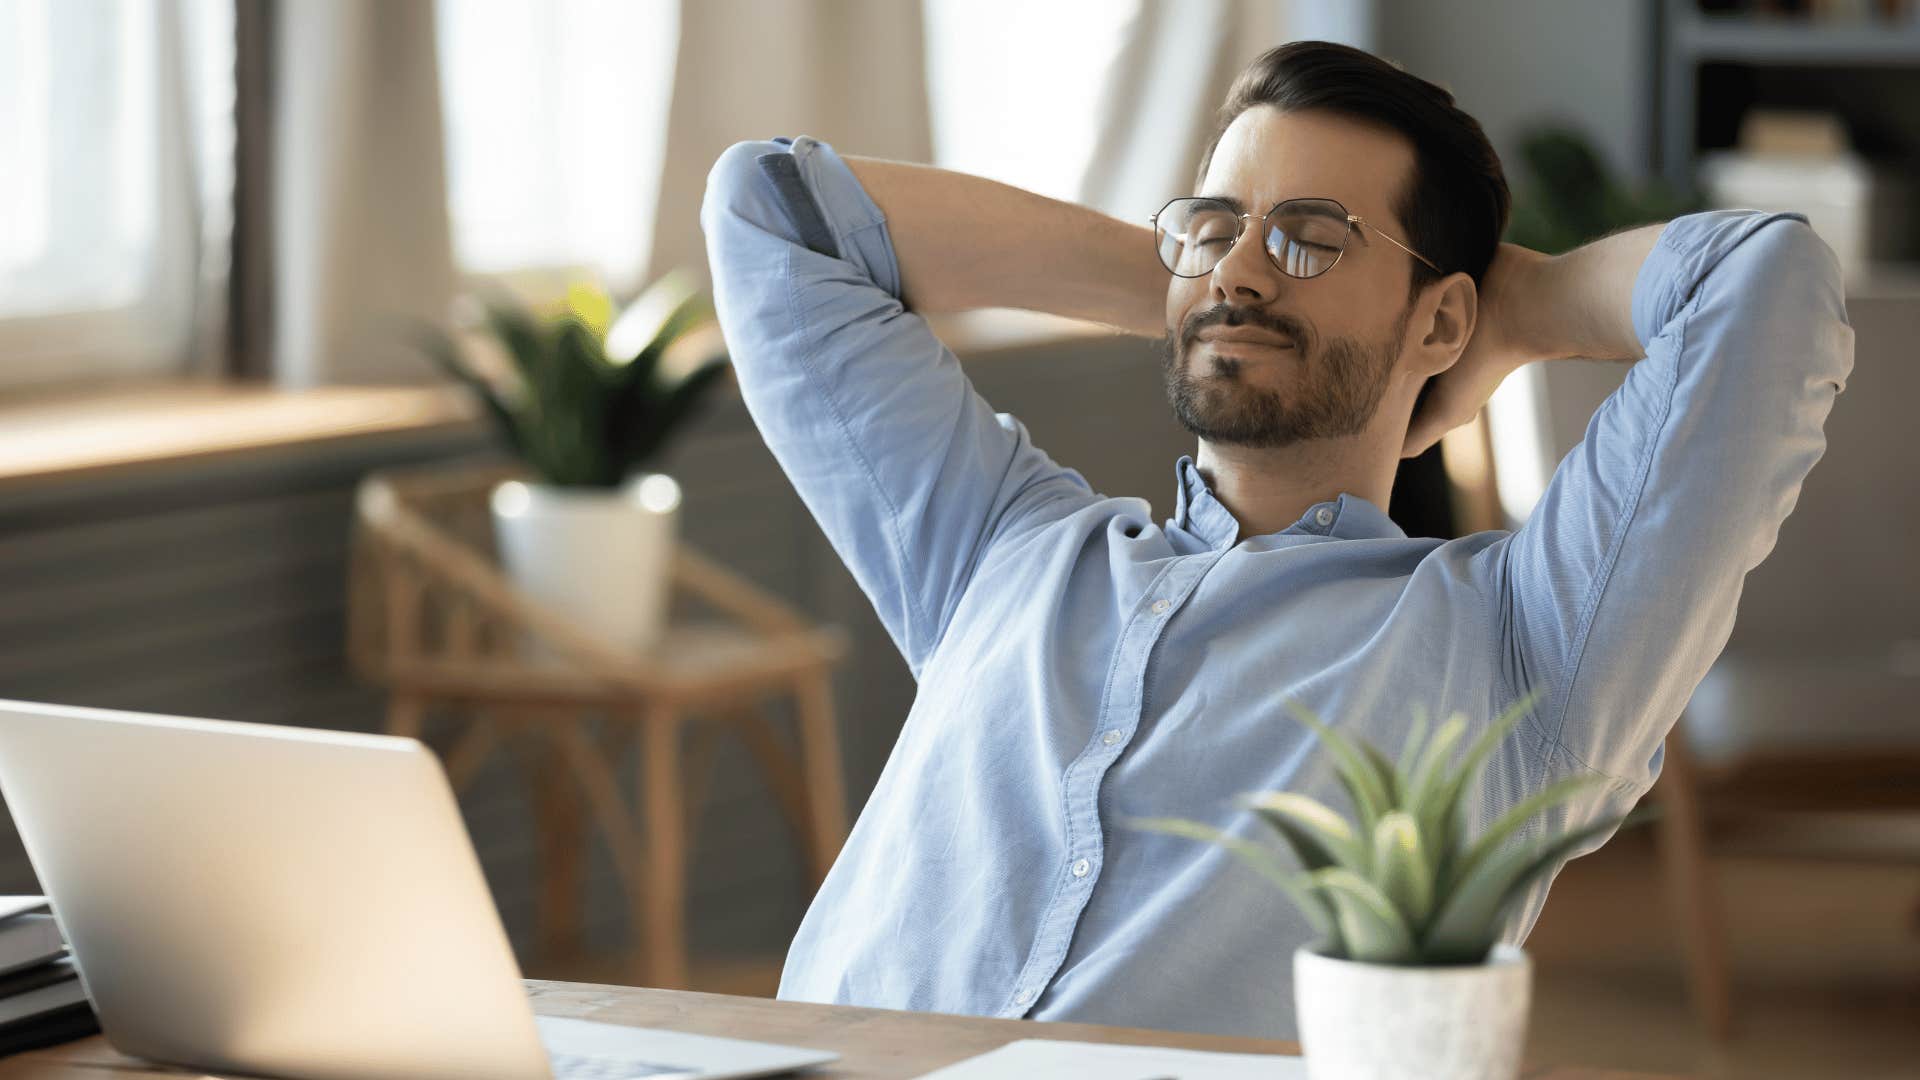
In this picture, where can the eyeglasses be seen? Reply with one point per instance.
(1303, 237)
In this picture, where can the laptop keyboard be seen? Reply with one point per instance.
(584, 1067)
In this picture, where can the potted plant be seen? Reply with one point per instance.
(587, 401)
(1409, 978)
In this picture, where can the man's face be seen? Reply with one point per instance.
(1260, 359)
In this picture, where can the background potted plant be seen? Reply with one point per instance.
(587, 401)
(1409, 978)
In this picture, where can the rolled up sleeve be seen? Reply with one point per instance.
(908, 471)
(1620, 591)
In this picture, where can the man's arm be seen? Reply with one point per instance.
(965, 242)
(1619, 592)
(911, 475)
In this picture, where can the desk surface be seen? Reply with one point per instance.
(874, 1044)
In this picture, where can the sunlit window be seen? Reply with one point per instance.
(115, 147)
(556, 114)
(1016, 87)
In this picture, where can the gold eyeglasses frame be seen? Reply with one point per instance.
(1354, 223)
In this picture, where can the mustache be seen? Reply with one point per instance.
(1229, 315)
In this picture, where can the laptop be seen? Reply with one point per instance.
(296, 903)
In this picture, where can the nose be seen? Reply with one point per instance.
(1246, 276)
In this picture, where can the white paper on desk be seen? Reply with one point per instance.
(1052, 1059)
(20, 905)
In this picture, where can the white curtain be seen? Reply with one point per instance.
(847, 71)
(359, 202)
(1160, 95)
(363, 121)
(556, 116)
(115, 170)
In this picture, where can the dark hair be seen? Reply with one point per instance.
(1454, 205)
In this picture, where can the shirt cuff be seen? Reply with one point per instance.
(852, 217)
(1689, 247)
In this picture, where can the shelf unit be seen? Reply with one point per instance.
(1690, 39)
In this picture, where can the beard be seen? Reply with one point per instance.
(1337, 391)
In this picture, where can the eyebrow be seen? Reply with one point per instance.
(1239, 207)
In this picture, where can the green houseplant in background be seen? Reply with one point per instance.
(588, 400)
(1409, 978)
(1566, 195)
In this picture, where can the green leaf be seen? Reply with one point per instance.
(1401, 869)
(590, 304)
(1256, 858)
(1429, 776)
(1370, 927)
(1356, 774)
(1444, 810)
(516, 329)
(654, 320)
(1516, 816)
(1468, 920)
(643, 421)
(1318, 836)
(574, 392)
(1383, 769)
(1410, 750)
(445, 355)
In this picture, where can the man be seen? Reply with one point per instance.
(1079, 664)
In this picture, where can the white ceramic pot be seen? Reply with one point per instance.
(1382, 1022)
(602, 557)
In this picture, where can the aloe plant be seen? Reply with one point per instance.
(588, 400)
(1402, 882)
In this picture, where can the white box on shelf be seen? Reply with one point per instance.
(1858, 210)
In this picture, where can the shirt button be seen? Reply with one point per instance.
(1160, 607)
(1080, 868)
(1024, 997)
(1110, 738)
(1323, 515)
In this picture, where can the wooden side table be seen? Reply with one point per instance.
(433, 620)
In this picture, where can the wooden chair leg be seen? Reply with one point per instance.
(562, 849)
(405, 714)
(1698, 915)
(820, 761)
(663, 894)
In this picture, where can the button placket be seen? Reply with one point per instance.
(1120, 714)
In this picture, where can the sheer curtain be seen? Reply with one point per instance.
(117, 142)
(556, 118)
(1010, 98)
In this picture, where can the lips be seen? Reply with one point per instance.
(1242, 338)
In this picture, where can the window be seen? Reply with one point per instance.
(116, 134)
(556, 121)
(1016, 87)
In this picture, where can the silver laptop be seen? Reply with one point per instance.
(296, 903)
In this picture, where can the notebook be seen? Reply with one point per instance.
(1051, 1059)
(27, 940)
(38, 991)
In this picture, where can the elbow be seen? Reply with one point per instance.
(733, 182)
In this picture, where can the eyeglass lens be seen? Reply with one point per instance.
(1304, 237)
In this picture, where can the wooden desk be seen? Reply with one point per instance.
(874, 1044)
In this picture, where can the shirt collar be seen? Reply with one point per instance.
(1346, 517)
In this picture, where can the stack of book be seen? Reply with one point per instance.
(41, 1000)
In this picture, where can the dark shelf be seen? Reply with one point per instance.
(1797, 42)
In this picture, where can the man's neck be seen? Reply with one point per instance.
(1267, 490)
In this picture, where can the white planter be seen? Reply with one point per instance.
(602, 558)
(1381, 1022)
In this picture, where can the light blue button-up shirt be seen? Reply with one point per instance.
(1079, 663)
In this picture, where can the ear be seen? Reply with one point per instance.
(1442, 324)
